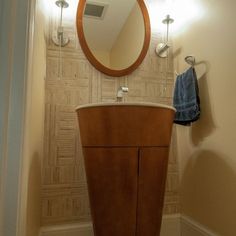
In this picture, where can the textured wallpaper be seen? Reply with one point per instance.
(64, 189)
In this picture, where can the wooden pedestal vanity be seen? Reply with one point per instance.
(126, 147)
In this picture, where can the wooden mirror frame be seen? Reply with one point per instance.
(91, 57)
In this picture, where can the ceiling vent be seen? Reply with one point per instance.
(95, 10)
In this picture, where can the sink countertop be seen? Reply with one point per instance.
(147, 104)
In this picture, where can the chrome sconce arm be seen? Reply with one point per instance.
(58, 37)
(162, 48)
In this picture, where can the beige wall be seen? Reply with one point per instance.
(207, 149)
(129, 43)
(34, 122)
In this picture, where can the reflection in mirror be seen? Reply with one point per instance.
(114, 31)
(114, 34)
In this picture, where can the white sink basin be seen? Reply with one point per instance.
(147, 104)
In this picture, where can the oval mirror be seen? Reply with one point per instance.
(114, 34)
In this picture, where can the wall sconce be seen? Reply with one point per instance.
(59, 38)
(162, 48)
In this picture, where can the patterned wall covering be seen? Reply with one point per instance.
(64, 190)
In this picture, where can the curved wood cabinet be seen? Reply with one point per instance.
(126, 167)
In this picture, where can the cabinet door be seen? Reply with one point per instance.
(153, 164)
(112, 176)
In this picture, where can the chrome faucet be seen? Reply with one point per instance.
(120, 92)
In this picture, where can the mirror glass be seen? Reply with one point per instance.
(114, 33)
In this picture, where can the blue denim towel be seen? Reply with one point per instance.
(186, 98)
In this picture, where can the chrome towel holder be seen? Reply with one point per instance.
(190, 60)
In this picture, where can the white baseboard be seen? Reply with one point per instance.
(83, 229)
(189, 227)
(172, 225)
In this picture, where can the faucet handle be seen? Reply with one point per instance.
(121, 90)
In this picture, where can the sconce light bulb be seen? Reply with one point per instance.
(62, 3)
(168, 20)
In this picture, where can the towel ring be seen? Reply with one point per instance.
(190, 60)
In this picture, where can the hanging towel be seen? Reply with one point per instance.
(186, 98)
